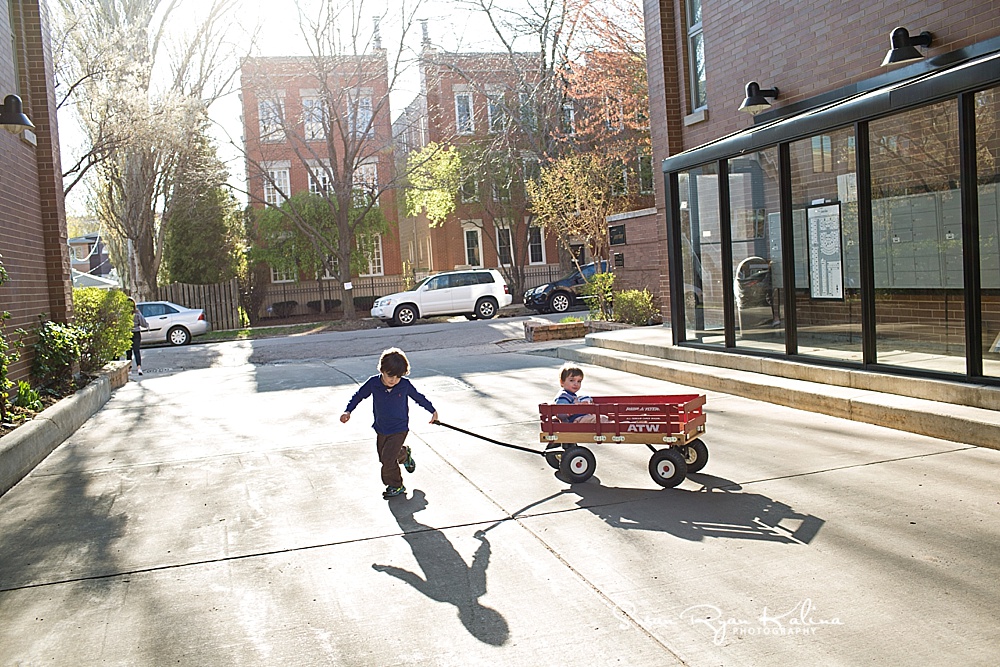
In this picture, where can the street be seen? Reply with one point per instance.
(217, 513)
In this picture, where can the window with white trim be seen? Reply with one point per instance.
(504, 243)
(276, 186)
(365, 184)
(282, 275)
(270, 113)
(469, 190)
(495, 116)
(569, 118)
(371, 246)
(527, 112)
(333, 272)
(319, 181)
(463, 113)
(473, 246)
(696, 55)
(361, 116)
(313, 115)
(536, 245)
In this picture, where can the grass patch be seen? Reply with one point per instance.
(570, 319)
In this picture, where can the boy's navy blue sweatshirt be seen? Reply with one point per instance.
(392, 411)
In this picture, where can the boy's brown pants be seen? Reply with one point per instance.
(391, 454)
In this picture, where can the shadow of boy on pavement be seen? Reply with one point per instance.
(446, 576)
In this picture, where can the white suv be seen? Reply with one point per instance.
(476, 293)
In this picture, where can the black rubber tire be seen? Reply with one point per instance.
(178, 336)
(695, 455)
(404, 316)
(560, 302)
(487, 308)
(577, 465)
(667, 467)
(554, 457)
(470, 316)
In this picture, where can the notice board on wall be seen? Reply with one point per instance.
(826, 263)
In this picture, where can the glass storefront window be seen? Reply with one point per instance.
(988, 175)
(701, 253)
(825, 241)
(755, 221)
(917, 239)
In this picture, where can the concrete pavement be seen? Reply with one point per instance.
(222, 515)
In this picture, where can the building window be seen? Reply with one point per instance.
(504, 244)
(496, 118)
(822, 154)
(372, 247)
(463, 113)
(527, 111)
(313, 115)
(270, 113)
(696, 55)
(614, 113)
(619, 179)
(473, 247)
(645, 173)
(282, 275)
(365, 184)
(536, 246)
(276, 186)
(333, 272)
(469, 190)
(319, 181)
(361, 116)
(569, 118)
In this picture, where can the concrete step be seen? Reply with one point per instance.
(935, 418)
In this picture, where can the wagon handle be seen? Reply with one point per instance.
(483, 437)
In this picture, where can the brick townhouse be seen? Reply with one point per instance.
(287, 102)
(830, 180)
(32, 217)
(486, 99)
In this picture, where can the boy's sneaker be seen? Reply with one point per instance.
(409, 464)
(392, 491)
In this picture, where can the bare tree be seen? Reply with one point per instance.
(140, 99)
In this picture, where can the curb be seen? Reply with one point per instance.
(27, 446)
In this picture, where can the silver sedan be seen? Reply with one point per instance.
(171, 323)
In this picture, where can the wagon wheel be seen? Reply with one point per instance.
(695, 455)
(554, 456)
(577, 464)
(667, 467)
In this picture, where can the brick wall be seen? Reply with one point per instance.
(32, 218)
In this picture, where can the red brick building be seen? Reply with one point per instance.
(489, 102)
(853, 221)
(308, 124)
(32, 217)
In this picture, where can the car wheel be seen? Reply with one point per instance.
(404, 316)
(559, 302)
(486, 308)
(691, 300)
(178, 336)
(470, 316)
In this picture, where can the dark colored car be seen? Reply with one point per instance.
(563, 294)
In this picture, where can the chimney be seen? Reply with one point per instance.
(376, 34)
(426, 41)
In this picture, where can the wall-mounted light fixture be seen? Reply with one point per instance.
(904, 47)
(12, 116)
(756, 99)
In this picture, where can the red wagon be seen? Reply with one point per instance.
(671, 422)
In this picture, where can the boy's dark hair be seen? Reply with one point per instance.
(394, 362)
(570, 371)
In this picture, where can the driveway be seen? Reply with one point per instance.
(218, 513)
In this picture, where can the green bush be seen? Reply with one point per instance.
(57, 349)
(634, 306)
(599, 290)
(105, 318)
(10, 352)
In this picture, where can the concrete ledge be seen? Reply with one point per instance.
(28, 445)
(937, 419)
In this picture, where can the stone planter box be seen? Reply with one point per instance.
(600, 325)
(541, 330)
